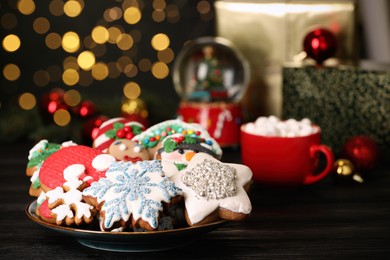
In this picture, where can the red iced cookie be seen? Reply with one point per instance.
(51, 173)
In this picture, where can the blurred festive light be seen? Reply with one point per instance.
(113, 70)
(173, 13)
(62, 117)
(136, 35)
(56, 7)
(11, 72)
(132, 15)
(159, 4)
(160, 41)
(100, 71)
(72, 8)
(144, 65)
(131, 90)
(70, 77)
(166, 55)
(41, 78)
(158, 16)
(72, 98)
(99, 50)
(27, 101)
(123, 61)
(130, 70)
(53, 41)
(11, 43)
(160, 70)
(114, 33)
(41, 25)
(26, 6)
(70, 42)
(9, 21)
(100, 34)
(203, 7)
(112, 14)
(70, 63)
(124, 41)
(86, 60)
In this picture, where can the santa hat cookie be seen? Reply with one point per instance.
(114, 129)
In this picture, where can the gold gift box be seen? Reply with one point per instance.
(269, 33)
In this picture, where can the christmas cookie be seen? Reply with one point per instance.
(133, 194)
(214, 190)
(114, 129)
(177, 150)
(37, 155)
(152, 137)
(64, 207)
(87, 163)
(127, 150)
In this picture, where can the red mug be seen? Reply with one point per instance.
(285, 161)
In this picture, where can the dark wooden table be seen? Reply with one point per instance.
(324, 220)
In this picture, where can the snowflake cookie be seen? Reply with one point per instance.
(64, 207)
(214, 190)
(132, 194)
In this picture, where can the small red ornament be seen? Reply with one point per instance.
(362, 151)
(51, 102)
(85, 109)
(320, 44)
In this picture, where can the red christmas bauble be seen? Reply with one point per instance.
(320, 44)
(51, 102)
(85, 109)
(362, 151)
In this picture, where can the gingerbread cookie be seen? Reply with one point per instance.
(37, 155)
(127, 150)
(178, 149)
(152, 137)
(132, 194)
(114, 129)
(87, 163)
(214, 190)
(64, 207)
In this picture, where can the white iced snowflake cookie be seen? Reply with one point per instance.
(214, 190)
(132, 194)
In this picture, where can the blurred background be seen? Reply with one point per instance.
(68, 64)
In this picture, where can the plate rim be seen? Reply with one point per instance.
(35, 218)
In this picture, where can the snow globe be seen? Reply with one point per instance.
(211, 76)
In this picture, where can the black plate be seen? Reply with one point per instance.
(129, 241)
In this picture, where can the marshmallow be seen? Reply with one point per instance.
(273, 126)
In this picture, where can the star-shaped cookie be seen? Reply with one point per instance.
(214, 190)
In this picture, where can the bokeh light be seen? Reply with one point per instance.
(72, 98)
(62, 117)
(56, 7)
(86, 60)
(11, 43)
(70, 77)
(71, 42)
(132, 15)
(26, 7)
(160, 41)
(11, 72)
(53, 41)
(100, 71)
(100, 34)
(9, 21)
(131, 90)
(72, 8)
(27, 101)
(41, 78)
(160, 70)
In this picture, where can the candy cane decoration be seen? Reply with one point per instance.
(225, 115)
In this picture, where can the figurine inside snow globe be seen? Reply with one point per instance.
(211, 77)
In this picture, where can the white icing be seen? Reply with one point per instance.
(40, 145)
(35, 176)
(198, 208)
(87, 178)
(102, 161)
(68, 144)
(70, 201)
(72, 174)
(41, 198)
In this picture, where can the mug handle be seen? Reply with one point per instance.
(327, 151)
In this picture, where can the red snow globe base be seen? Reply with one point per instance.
(211, 76)
(222, 120)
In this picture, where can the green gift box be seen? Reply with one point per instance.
(343, 101)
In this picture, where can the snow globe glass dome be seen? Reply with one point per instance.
(211, 76)
(210, 69)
